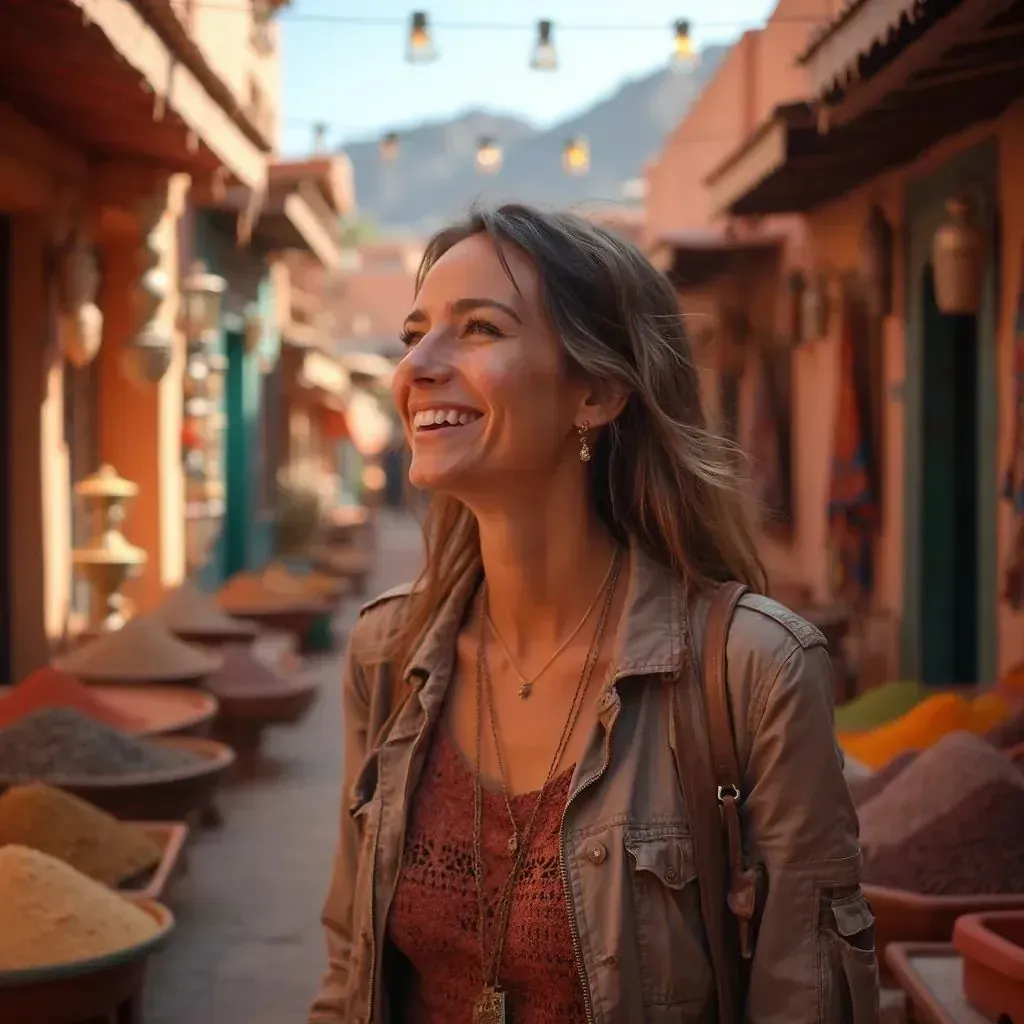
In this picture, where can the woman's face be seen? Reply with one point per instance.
(484, 390)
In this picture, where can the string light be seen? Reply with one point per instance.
(544, 56)
(489, 155)
(684, 53)
(420, 49)
(576, 155)
(389, 147)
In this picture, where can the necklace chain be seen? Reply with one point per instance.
(526, 684)
(484, 693)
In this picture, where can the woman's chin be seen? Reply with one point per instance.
(440, 477)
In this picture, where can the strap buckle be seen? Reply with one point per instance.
(728, 792)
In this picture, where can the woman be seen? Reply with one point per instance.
(515, 843)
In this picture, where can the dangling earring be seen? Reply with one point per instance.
(583, 429)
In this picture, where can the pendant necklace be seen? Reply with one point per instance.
(526, 685)
(492, 1006)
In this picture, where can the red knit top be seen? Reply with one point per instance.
(434, 916)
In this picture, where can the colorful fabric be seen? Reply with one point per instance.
(1013, 485)
(853, 511)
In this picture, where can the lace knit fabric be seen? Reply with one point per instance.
(434, 916)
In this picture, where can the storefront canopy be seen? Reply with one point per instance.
(692, 258)
(893, 79)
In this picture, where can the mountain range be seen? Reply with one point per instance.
(433, 177)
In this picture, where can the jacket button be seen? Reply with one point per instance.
(597, 853)
(671, 874)
(606, 701)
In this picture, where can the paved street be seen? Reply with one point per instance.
(248, 948)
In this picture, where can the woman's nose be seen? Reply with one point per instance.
(427, 363)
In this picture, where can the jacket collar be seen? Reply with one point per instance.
(650, 637)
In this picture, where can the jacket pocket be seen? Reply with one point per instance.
(671, 946)
(849, 959)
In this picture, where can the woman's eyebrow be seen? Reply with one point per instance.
(468, 305)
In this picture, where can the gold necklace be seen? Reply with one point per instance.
(526, 685)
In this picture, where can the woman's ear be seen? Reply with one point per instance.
(602, 404)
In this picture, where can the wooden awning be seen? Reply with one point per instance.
(692, 258)
(97, 74)
(961, 62)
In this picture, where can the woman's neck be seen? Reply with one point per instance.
(544, 564)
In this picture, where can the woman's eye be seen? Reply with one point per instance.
(409, 338)
(483, 327)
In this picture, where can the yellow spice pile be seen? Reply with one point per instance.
(64, 826)
(52, 914)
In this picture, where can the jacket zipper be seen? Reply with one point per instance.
(581, 969)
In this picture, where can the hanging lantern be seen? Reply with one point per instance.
(488, 156)
(958, 261)
(201, 294)
(544, 56)
(389, 147)
(78, 279)
(877, 261)
(576, 155)
(420, 49)
(683, 54)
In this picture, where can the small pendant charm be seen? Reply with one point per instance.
(513, 845)
(525, 690)
(490, 1008)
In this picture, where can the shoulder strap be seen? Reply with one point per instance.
(710, 775)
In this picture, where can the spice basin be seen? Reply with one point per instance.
(163, 710)
(172, 794)
(155, 884)
(83, 989)
(909, 917)
(992, 947)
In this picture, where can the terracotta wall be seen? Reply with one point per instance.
(834, 240)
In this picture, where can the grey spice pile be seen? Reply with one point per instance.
(55, 742)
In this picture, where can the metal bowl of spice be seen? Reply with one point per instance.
(134, 779)
(89, 966)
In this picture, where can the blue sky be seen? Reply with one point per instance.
(355, 77)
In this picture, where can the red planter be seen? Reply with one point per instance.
(992, 946)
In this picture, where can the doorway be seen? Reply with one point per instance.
(5, 450)
(950, 563)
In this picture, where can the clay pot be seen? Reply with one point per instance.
(992, 946)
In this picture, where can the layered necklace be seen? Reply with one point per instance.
(492, 1006)
(526, 684)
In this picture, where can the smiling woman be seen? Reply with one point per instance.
(521, 725)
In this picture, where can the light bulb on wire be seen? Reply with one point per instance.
(544, 58)
(576, 155)
(684, 53)
(420, 48)
(488, 156)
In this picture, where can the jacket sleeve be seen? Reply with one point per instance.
(330, 1003)
(814, 960)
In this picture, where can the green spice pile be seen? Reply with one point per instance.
(59, 742)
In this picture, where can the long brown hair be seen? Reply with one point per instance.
(659, 476)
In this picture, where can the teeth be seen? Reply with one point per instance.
(439, 417)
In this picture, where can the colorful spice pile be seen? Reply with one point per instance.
(143, 650)
(863, 789)
(955, 770)
(243, 672)
(924, 725)
(63, 826)
(279, 577)
(1008, 733)
(883, 704)
(52, 914)
(59, 742)
(50, 688)
(189, 611)
(975, 847)
(250, 593)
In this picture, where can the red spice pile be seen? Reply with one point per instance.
(50, 688)
(244, 673)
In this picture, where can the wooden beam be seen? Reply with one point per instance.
(961, 23)
(23, 140)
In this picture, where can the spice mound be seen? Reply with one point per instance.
(882, 704)
(975, 848)
(143, 650)
(64, 826)
(52, 914)
(245, 672)
(50, 688)
(60, 742)
(864, 789)
(189, 610)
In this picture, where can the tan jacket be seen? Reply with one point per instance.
(627, 857)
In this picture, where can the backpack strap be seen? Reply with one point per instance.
(711, 778)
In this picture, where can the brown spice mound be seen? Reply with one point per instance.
(1008, 733)
(244, 672)
(978, 847)
(862, 790)
(48, 687)
(52, 914)
(62, 825)
(187, 609)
